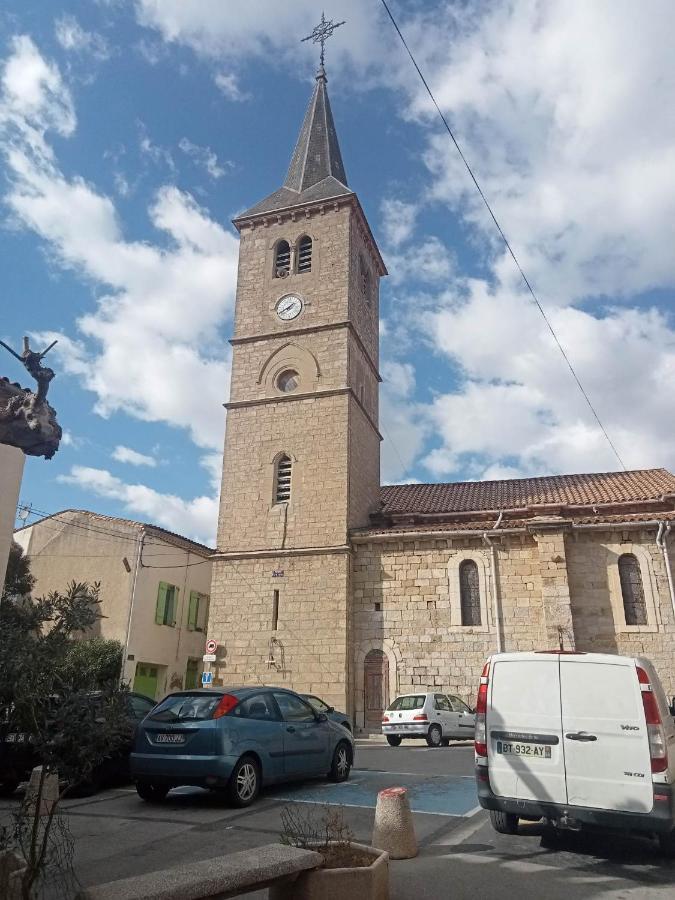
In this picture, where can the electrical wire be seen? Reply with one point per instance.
(504, 238)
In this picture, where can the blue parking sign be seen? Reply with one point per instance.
(207, 678)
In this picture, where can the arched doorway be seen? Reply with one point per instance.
(376, 687)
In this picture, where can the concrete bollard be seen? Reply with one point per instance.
(50, 792)
(394, 830)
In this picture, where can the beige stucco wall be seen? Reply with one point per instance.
(78, 547)
(11, 472)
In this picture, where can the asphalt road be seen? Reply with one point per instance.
(117, 835)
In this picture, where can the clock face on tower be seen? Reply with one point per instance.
(289, 307)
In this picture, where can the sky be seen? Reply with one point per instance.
(132, 131)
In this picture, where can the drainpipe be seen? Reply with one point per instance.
(495, 582)
(662, 544)
(138, 565)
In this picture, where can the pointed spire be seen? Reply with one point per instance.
(317, 152)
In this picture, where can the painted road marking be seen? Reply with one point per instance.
(441, 795)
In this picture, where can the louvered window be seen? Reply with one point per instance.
(469, 592)
(365, 280)
(305, 255)
(282, 480)
(282, 260)
(634, 606)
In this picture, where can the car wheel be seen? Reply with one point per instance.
(667, 844)
(394, 740)
(503, 822)
(8, 787)
(435, 736)
(347, 726)
(151, 793)
(342, 762)
(445, 742)
(244, 784)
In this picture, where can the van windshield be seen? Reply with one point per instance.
(185, 707)
(412, 701)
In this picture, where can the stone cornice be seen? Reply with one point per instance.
(311, 395)
(271, 553)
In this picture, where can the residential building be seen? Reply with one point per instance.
(326, 581)
(154, 590)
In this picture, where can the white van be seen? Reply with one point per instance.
(579, 739)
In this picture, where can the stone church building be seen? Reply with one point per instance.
(327, 582)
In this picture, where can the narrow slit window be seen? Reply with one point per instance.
(275, 610)
(282, 480)
(632, 591)
(282, 259)
(469, 592)
(305, 255)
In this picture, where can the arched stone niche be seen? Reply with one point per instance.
(290, 356)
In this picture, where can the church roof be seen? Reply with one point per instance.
(521, 493)
(316, 171)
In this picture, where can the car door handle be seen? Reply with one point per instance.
(580, 736)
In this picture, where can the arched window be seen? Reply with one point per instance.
(634, 606)
(305, 254)
(282, 479)
(469, 592)
(282, 259)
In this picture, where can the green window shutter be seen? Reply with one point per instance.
(193, 610)
(172, 605)
(160, 611)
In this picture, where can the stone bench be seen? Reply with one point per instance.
(223, 876)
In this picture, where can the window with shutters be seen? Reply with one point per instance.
(305, 254)
(167, 598)
(469, 593)
(632, 591)
(197, 611)
(282, 259)
(282, 479)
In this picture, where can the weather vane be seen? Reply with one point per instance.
(322, 32)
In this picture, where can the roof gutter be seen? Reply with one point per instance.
(662, 544)
(494, 581)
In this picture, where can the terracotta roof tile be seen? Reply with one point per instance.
(520, 493)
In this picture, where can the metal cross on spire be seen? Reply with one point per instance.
(322, 32)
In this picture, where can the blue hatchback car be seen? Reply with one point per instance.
(236, 739)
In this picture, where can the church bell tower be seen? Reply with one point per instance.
(301, 464)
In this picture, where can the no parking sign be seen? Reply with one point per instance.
(211, 646)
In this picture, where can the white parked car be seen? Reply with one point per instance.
(438, 718)
(578, 739)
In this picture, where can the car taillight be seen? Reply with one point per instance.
(225, 704)
(423, 717)
(658, 750)
(480, 737)
(385, 718)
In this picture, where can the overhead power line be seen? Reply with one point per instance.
(504, 238)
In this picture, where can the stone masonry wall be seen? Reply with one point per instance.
(597, 604)
(312, 628)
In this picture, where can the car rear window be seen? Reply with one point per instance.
(185, 708)
(412, 701)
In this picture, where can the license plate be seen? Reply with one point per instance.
(532, 750)
(169, 738)
(17, 738)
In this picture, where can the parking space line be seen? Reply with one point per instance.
(364, 806)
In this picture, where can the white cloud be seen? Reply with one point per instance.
(133, 457)
(403, 426)
(228, 83)
(426, 260)
(159, 155)
(71, 36)
(205, 158)
(194, 518)
(152, 347)
(398, 220)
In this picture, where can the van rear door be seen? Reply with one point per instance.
(524, 728)
(605, 736)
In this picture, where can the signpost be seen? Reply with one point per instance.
(207, 679)
(208, 658)
(211, 646)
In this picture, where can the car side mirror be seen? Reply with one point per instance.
(330, 709)
(321, 717)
